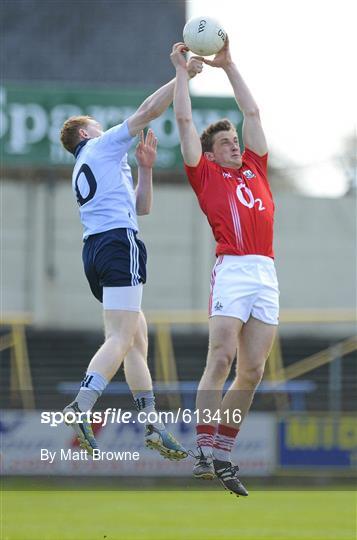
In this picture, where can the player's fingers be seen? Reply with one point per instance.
(195, 62)
(199, 58)
(197, 65)
(141, 137)
(153, 142)
(150, 137)
(179, 47)
(226, 44)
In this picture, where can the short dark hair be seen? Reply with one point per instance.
(209, 133)
(70, 131)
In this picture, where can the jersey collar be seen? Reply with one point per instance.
(79, 147)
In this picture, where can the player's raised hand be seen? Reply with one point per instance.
(177, 55)
(223, 57)
(145, 152)
(194, 66)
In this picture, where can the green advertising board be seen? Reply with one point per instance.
(32, 115)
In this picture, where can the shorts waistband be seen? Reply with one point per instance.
(244, 259)
(102, 233)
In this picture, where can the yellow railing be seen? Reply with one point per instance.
(165, 362)
(317, 360)
(287, 316)
(14, 339)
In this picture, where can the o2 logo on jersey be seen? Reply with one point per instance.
(247, 198)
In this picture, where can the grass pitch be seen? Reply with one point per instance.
(177, 515)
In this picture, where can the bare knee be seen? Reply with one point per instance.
(249, 377)
(120, 328)
(120, 344)
(219, 363)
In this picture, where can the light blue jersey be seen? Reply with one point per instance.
(102, 182)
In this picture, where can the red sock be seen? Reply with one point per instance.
(223, 442)
(205, 438)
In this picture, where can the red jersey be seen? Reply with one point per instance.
(238, 204)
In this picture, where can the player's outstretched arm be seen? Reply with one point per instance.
(145, 155)
(157, 103)
(151, 108)
(190, 141)
(253, 134)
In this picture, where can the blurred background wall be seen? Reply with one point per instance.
(99, 43)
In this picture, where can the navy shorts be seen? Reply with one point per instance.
(115, 258)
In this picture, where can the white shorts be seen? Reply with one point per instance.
(123, 298)
(244, 286)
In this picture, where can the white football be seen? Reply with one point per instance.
(204, 35)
